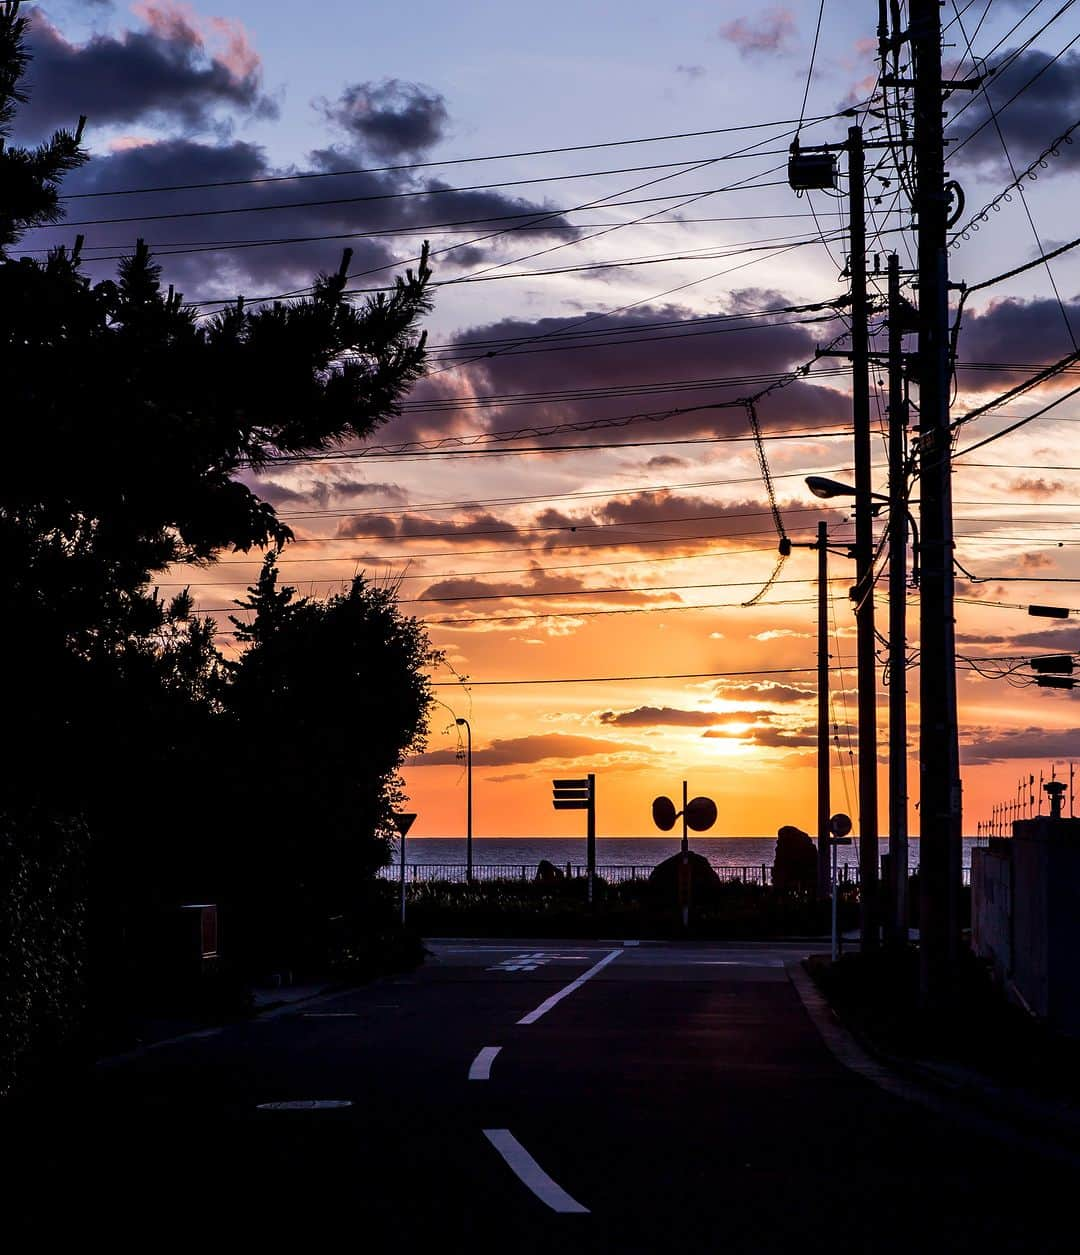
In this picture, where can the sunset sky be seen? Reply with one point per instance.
(622, 281)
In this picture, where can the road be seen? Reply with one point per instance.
(551, 1096)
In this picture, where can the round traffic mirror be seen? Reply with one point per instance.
(840, 824)
(700, 813)
(663, 813)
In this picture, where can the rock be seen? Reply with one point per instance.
(664, 878)
(547, 873)
(795, 863)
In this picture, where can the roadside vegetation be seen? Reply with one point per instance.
(147, 765)
(514, 908)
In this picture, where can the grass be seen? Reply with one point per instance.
(525, 908)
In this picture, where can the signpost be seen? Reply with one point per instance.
(403, 821)
(580, 795)
(839, 827)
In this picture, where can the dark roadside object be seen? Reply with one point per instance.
(548, 874)
(795, 863)
(704, 882)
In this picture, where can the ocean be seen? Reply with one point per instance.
(622, 851)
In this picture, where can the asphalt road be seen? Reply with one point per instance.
(678, 1098)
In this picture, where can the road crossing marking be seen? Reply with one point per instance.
(567, 990)
(530, 1174)
(480, 1068)
(529, 962)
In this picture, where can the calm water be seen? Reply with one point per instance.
(621, 851)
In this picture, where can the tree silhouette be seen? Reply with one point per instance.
(128, 420)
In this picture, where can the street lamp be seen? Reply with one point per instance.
(821, 545)
(464, 723)
(900, 519)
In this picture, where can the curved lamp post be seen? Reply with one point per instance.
(464, 723)
(820, 486)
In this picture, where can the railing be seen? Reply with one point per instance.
(613, 873)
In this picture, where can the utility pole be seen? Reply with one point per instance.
(940, 804)
(863, 592)
(824, 801)
(897, 913)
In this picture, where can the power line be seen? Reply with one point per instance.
(1005, 431)
(618, 679)
(376, 196)
(450, 161)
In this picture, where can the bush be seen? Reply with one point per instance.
(42, 942)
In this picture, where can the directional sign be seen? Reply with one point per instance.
(403, 821)
(571, 795)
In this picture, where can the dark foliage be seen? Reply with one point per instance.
(126, 421)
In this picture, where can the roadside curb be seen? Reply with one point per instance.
(983, 1109)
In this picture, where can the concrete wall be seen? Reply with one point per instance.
(1039, 951)
(991, 907)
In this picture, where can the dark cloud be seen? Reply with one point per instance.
(654, 716)
(280, 213)
(1040, 113)
(771, 34)
(180, 69)
(654, 369)
(421, 526)
(512, 751)
(666, 462)
(772, 738)
(540, 586)
(989, 746)
(1014, 330)
(1029, 486)
(321, 493)
(670, 716)
(392, 118)
(780, 693)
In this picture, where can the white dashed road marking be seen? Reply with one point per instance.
(480, 1068)
(530, 1174)
(307, 1104)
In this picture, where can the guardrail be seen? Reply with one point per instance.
(613, 873)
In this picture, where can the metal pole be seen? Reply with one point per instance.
(835, 935)
(824, 802)
(686, 861)
(866, 657)
(401, 838)
(590, 836)
(897, 913)
(464, 723)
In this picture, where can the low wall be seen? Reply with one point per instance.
(1025, 916)
(991, 908)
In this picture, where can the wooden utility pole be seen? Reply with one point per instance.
(940, 804)
(897, 913)
(863, 593)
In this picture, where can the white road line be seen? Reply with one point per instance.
(530, 1174)
(307, 1104)
(548, 1003)
(480, 1068)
